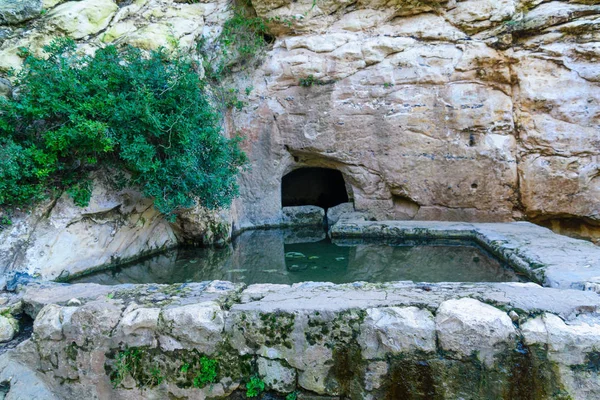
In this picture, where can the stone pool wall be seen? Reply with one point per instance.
(546, 257)
(360, 341)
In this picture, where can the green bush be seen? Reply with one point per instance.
(207, 372)
(149, 116)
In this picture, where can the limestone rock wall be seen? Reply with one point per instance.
(470, 110)
(59, 238)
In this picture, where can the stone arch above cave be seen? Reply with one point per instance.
(322, 187)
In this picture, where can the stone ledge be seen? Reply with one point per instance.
(302, 216)
(317, 338)
(322, 339)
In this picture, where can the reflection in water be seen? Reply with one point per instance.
(283, 256)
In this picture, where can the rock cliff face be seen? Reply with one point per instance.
(471, 110)
(474, 110)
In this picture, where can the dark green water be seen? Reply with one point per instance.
(277, 256)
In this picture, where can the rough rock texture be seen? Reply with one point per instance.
(200, 226)
(277, 376)
(470, 110)
(335, 213)
(363, 341)
(468, 327)
(569, 346)
(302, 216)
(17, 11)
(197, 325)
(147, 24)
(61, 238)
(24, 381)
(397, 330)
(9, 327)
(78, 19)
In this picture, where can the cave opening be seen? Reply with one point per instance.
(322, 187)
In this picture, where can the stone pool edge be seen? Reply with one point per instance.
(297, 338)
(546, 257)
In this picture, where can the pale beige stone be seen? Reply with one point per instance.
(68, 239)
(277, 376)
(78, 19)
(9, 328)
(469, 327)
(397, 330)
(198, 324)
(559, 185)
(475, 15)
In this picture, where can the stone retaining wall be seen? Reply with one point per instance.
(361, 341)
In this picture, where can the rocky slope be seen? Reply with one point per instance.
(474, 110)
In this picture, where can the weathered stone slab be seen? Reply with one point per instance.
(469, 327)
(302, 216)
(277, 376)
(9, 327)
(82, 18)
(48, 324)
(37, 295)
(14, 12)
(397, 330)
(25, 381)
(334, 213)
(199, 325)
(138, 326)
(60, 239)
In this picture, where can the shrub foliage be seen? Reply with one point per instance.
(148, 116)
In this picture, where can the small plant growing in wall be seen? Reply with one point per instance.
(254, 387)
(5, 221)
(138, 364)
(243, 39)
(198, 370)
(207, 372)
(155, 377)
(126, 364)
(310, 80)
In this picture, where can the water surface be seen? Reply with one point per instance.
(279, 256)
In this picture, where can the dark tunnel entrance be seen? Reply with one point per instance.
(320, 187)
